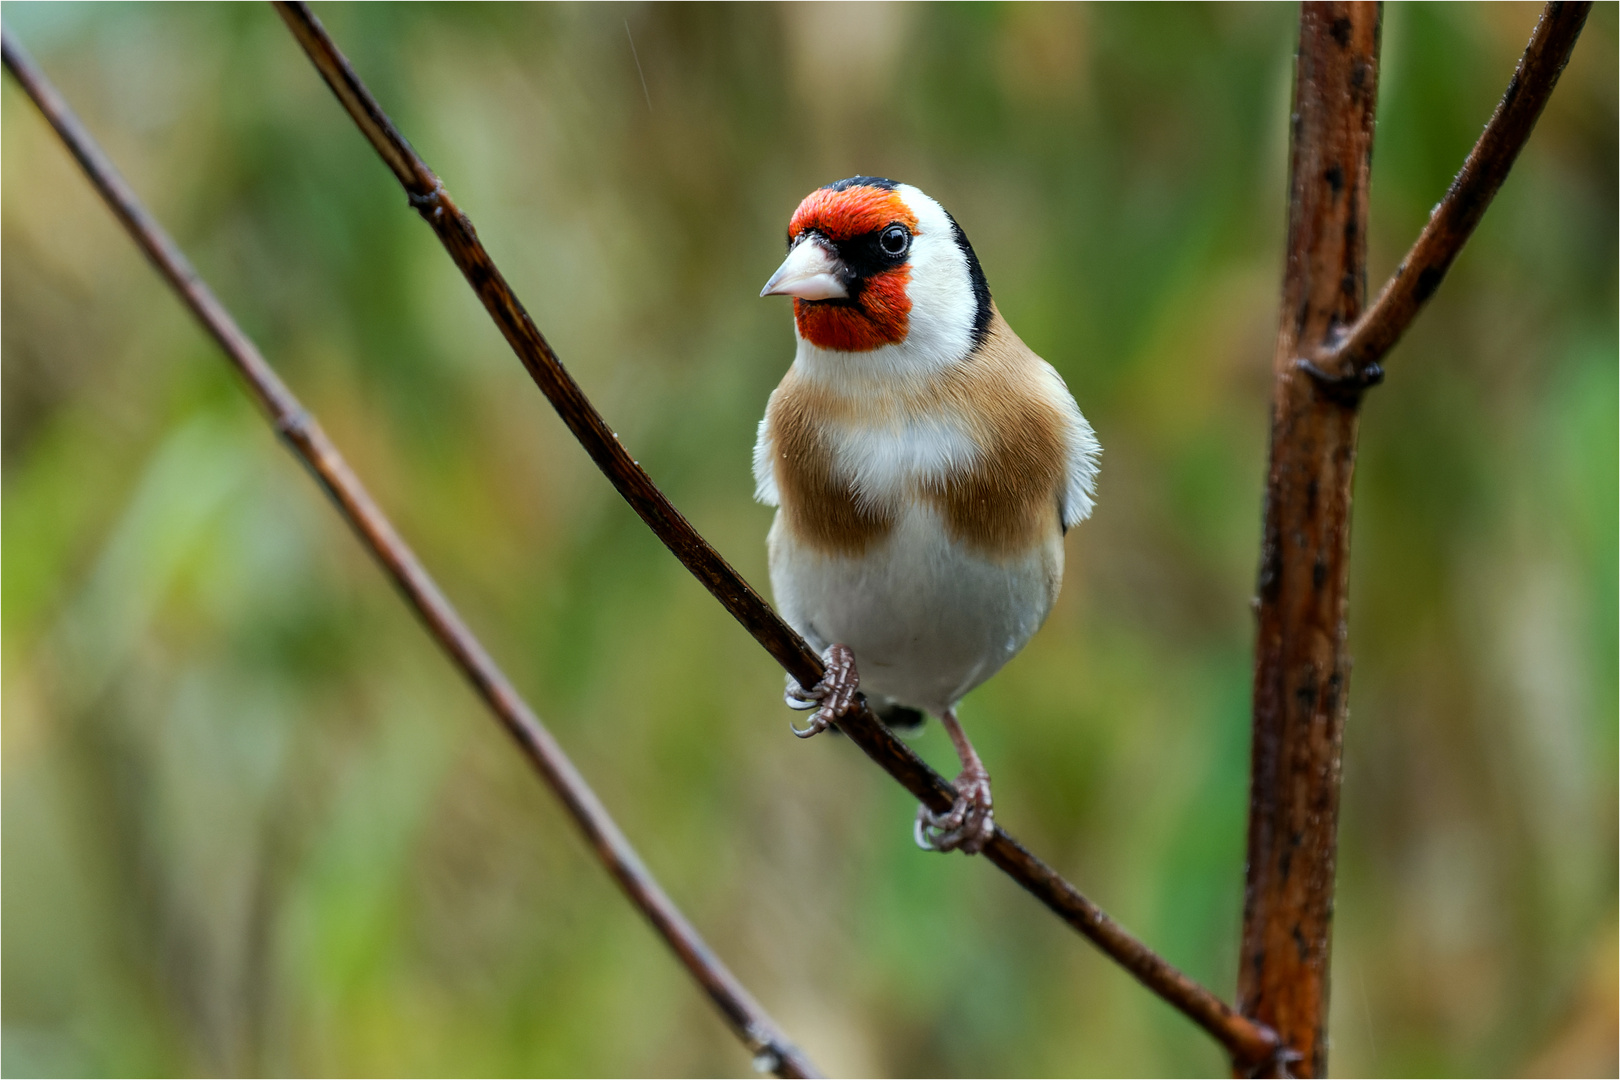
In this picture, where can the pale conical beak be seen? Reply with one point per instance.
(810, 272)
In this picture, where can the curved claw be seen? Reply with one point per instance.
(919, 831)
(832, 697)
(815, 727)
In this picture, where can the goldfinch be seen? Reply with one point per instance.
(925, 464)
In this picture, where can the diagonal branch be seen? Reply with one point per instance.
(1248, 1041)
(304, 437)
(1372, 336)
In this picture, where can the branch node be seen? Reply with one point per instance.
(430, 204)
(295, 426)
(1279, 1062)
(1345, 388)
(770, 1054)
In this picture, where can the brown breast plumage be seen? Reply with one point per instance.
(1008, 502)
(818, 500)
(1003, 505)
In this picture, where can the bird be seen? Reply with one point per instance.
(925, 465)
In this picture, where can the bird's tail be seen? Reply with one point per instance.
(902, 719)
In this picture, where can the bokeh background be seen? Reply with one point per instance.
(253, 823)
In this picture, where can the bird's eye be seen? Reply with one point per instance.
(895, 240)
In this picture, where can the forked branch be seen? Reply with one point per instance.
(1302, 662)
(1354, 355)
(1247, 1041)
(303, 436)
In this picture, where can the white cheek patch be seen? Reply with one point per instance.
(941, 288)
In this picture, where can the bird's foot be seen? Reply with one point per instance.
(832, 697)
(968, 824)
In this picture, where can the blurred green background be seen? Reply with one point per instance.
(253, 823)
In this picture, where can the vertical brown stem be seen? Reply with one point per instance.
(1302, 668)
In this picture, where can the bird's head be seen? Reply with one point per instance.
(872, 263)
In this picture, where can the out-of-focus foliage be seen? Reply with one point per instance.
(253, 822)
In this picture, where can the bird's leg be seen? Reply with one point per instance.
(832, 697)
(970, 822)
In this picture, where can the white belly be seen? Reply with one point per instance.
(927, 619)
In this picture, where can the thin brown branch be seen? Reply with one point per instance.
(304, 437)
(1367, 342)
(1246, 1040)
